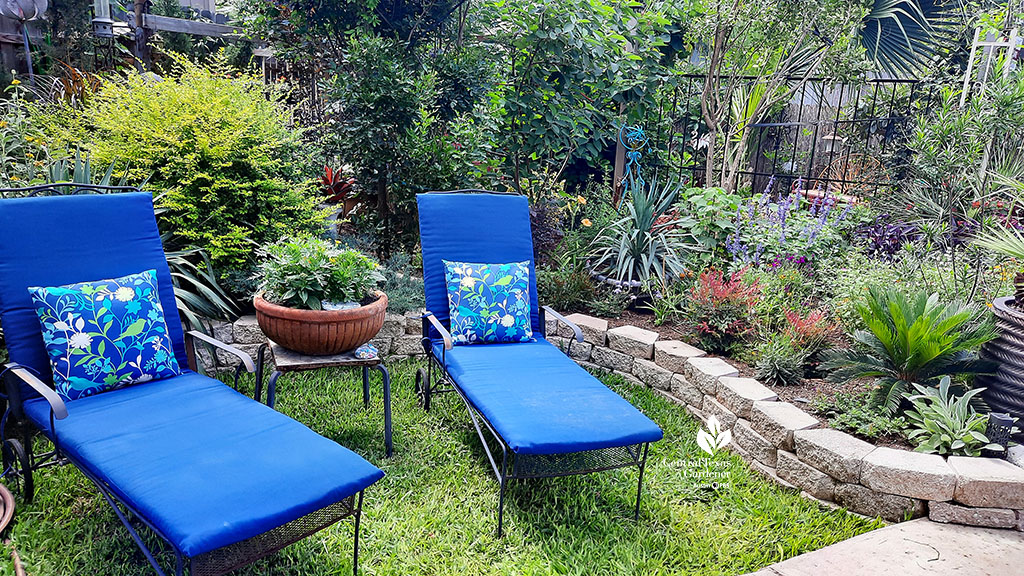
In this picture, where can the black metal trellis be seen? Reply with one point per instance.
(833, 135)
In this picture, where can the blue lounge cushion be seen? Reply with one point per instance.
(105, 334)
(488, 303)
(206, 465)
(541, 402)
(473, 227)
(58, 240)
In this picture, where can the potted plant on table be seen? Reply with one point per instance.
(316, 298)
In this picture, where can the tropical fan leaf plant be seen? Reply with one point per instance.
(911, 339)
(648, 242)
(1003, 240)
(901, 36)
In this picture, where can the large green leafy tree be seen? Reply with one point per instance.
(319, 32)
(570, 69)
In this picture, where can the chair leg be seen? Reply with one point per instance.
(272, 388)
(427, 386)
(26, 443)
(179, 564)
(135, 535)
(386, 383)
(501, 492)
(355, 544)
(366, 386)
(261, 355)
(640, 483)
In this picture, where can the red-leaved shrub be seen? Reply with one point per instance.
(720, 309)
(809, 332)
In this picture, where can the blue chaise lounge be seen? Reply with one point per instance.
(537, 413)
(219, 477)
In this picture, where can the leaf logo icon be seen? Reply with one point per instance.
(714, 438)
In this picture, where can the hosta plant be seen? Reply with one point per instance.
(943, 423)
(911, 339)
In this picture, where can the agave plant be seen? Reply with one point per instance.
(911, 340)
(648, 242)
(78, 170)
(943, 423)
(196, 289)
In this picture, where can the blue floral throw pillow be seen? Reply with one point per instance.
(488, 303)
(104, 335)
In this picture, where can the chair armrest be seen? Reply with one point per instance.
(60, 411)
(445, 334)
(577, 333)
(250, 366)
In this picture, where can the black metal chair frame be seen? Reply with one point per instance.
(435, 379)
(19, 462)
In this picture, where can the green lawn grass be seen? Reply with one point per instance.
(434, 512)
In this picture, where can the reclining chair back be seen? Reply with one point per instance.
(57, 240)
(473, 226)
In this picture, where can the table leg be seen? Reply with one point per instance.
(387, 408)
(272, 388)
(261, 354)
(366, 387)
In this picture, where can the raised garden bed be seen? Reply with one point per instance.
(787, 444)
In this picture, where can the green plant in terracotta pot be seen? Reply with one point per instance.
(316, 298)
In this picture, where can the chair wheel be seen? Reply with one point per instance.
(422, 389)
(18, 469)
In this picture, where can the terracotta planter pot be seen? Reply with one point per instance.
(321, 332)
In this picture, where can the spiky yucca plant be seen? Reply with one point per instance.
(911, 339)
(647, 242)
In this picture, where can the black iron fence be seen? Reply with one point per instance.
(844, 137)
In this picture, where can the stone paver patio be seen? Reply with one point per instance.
(910, 549)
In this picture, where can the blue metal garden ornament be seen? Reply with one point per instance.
(635, 141)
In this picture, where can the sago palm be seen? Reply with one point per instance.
(913, 339)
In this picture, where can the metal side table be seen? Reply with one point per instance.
(288, 361)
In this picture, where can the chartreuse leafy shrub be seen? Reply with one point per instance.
(911, 339)
(304, 272)
(217, 148)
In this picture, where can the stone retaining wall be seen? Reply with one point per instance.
(788, 446)
(778, 439)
